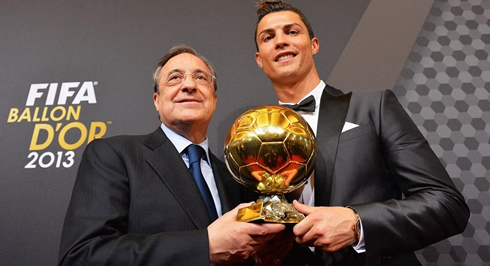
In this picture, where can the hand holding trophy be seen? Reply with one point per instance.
(270, 149)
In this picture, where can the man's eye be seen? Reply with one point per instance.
(293, 32)
(201, 77)
(267, 38)
(175, 77)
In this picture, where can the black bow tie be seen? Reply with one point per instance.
(306, 105)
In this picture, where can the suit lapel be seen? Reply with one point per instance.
(224, 184)
(333, 110)
(168, 164)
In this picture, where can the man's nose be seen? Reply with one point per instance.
(188, 84)
(281, 41)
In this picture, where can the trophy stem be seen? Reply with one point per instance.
(271, 209)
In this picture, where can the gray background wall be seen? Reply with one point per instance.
(433, 54)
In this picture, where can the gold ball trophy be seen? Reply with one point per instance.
(270, 150)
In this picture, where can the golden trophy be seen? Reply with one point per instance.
(271, 150)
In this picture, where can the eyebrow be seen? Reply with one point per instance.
(178, 70)
(285, 26)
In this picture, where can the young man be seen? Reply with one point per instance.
(135, 202)
(378, 192)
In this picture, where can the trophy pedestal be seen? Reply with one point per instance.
(270, 209)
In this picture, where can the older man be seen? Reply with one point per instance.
(156, 199)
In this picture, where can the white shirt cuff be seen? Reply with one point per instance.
(360, 246)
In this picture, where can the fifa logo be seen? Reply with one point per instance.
(55, 110)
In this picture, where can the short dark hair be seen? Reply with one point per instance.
(267, 7)
(174, 51)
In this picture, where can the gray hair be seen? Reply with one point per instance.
(174, 51)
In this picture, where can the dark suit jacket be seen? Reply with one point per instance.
(135, 203)
(387, 172)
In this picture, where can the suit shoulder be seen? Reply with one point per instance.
(119, 144)
(119, 139)
(372, 98)
(368, 95)
(124, 138)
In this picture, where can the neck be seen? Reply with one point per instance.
(294, 91)
(195, 132)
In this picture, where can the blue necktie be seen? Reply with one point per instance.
(306, 105)
(195, 153)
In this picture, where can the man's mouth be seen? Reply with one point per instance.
(187, 100)
(284, 57)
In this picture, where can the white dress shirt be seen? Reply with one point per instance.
(308, 195)
(180, 143)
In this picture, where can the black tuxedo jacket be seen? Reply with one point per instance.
(387, 172)
(135, 202)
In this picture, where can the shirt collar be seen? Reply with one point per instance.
(316, 92)
(180, 142)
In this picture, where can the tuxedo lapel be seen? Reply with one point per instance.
(168, 164)
(333, 110)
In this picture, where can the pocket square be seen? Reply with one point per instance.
(348, 126)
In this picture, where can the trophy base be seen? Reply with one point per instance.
(270, 209)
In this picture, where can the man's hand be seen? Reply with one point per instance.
(231, 241)
(327, 228)
(275, 250)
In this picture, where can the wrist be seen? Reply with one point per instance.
(356, 228)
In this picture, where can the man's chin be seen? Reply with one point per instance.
(283, 75)
(191, 116)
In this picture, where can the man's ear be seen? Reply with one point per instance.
(215, 101)
(258, 59)
(315, 45)
(156, 100)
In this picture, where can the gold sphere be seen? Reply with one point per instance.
(270, 149)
